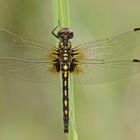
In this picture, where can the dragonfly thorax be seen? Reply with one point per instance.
(65, 52)
(65, 57)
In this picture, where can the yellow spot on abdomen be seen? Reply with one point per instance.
(65, 67)
(65, 83)
(65, 103)
(65, 74)
(66, 112)
(65, 92)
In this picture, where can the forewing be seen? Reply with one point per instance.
(110, 48)
(13, 45)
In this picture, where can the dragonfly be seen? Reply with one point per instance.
(93, 62)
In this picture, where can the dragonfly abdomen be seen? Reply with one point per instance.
(65, 75)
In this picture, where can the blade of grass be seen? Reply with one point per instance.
(61, 13)
(73, 133)
(61, 17)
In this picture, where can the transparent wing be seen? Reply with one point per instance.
(25, 59)
(100, 71)
(12, 45)
(111, 47)
(28, 70)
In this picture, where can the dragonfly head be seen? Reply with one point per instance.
(65, 33)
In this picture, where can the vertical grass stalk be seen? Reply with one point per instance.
(61, 12)
(61, 17)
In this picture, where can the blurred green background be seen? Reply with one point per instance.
(109, 111)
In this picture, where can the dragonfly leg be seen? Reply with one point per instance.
(53, 31)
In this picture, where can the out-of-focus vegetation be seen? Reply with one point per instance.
(103, 112)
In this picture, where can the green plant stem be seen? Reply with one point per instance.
(61, 13)
(61, 17)
(73, 133)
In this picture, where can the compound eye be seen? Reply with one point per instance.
(71, 35)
